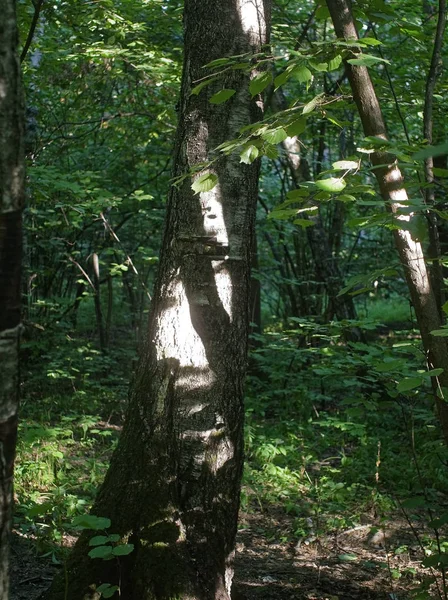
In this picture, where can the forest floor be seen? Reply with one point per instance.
(354, 564)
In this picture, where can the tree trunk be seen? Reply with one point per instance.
(172, 489)
(11, 202)
(391, 184)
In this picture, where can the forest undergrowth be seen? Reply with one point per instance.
(346, 480)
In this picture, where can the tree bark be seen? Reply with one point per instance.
(11, 202)
(391, 184)
(173, 485)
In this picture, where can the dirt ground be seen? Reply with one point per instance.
(352, 565)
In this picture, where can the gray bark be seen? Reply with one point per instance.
(173, 486)
(11, 202)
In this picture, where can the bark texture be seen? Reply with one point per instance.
(11, 201)
(173, 485)
(391, 184)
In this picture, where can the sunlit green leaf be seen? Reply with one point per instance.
(331, 184)
(204, 183)
(222, 96)
(260, 82)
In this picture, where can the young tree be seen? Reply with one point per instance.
(172, 489)
(11, 202)
(391, 184)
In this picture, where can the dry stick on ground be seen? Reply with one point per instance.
(391, 184)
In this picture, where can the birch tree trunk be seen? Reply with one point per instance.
(173, 486)
(11, 202)
(391, 184)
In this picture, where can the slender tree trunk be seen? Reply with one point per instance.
(391, 184)
(173, 486)
(11, 202)
(435, 70)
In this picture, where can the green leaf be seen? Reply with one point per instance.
(348, 557)
(91, 522)
(415, 502)
(282, 78)
(431, 561)
(197, 89)
(114, 537)
(440, 332)
(123, 549)
(222, 96)
(368, 41)
(439, 150)
(275, 136)
(103, 552)
(409, 383)
(322, 12)
(302, 74)
(107, 590)
(204, 183)
(331, 184)
(303, 223)
(437, 523)
(296, 127)
(345, 165)
(99, 540)
(249, 154)
(367, 60)
(322, 67)
(335, 63)
(438, 172)
(311, 105)
(260, 82)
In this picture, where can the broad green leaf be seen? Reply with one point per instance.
(114, 537)
(196, 90)
(409, 383)
(311, 105)
(322, 67)
(282, 78)
(302, 74)
(222, 96)
(219, 62)
(347, 557)
(335, 63)
(260, 82)
(392, 365)
(107, 590)
(368, 41)
(440, 332)
(99, 540)
(322, 12)
(439, 521)
(303, 223)
(415, 502)
(345, 165)
(439, 150)
(367, 60)
(91, 522)
(249, 154)
(204, 183)
(331, 184)
(346, 198)
(275, 136)
(432, 373)
(438, 172)
(123, 549)
(103, 552)
(296, 127)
